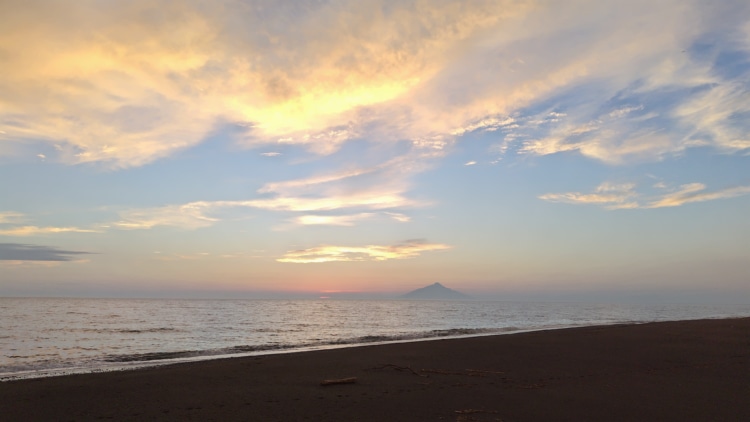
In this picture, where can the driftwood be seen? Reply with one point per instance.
(351, 380)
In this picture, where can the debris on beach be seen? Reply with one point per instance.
(351, 380)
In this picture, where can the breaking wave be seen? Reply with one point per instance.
(259, 349)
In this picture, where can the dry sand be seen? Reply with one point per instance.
(668, 371)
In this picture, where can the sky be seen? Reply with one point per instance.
(507, 149)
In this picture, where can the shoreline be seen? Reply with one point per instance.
(138, 365)
(674, 370)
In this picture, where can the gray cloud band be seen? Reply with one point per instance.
(26, 252)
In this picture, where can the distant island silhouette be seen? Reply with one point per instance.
(435, 291)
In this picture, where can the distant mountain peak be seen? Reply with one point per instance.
(435, 291)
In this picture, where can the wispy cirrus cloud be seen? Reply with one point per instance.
(625, 196)
(27, 252)
(200, 214)
(611, 137)
(620, 135)
(11, 224)
(695, 192)
(192, 215)
(610, 196)
(683, 101)
(339, 198)
(34, 230)
(330, 253)
(382, 186)
(9, 217)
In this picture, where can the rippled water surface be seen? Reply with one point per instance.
(43, 337)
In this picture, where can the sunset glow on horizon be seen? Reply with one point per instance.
(506, 149)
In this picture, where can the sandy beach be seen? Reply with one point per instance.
(667, 371)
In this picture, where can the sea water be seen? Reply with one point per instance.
(50, 336)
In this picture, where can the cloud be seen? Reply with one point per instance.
(345, 196)
(320, 254)
(26, 252)
(622, 135)
(331, 220)
(199, 214)
(677, 102)
(10, 217)
(486, 124)
(624, 196)
(693, 192)
(382, 186)
(192, 215)
(398, 217)
(344, 219)
(679, 97)
(370, 200)
(127, 83)
(34, 230)
(608, 195)
(628, 134)
(718, 116)
(12, 222)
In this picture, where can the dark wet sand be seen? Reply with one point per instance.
(669, 371)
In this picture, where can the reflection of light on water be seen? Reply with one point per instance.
(44, 337)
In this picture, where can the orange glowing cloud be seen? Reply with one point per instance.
(329, 253)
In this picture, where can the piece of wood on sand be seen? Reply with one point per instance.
(351, 380)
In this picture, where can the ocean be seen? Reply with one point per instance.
(42, 337)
